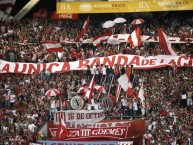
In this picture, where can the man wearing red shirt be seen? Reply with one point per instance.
(73, 55)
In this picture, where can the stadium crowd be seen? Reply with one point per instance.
(24, 106)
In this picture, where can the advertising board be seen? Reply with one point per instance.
(122, 6)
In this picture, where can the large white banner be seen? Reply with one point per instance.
(139, 62)
(79, 116)
(119, 38)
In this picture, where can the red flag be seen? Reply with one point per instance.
(118, 91)
(134, 38)
(90, 87)
(126, 85)
(164, 43)
(52, 46)
(62, 132)
(84, 28)
(101, 38)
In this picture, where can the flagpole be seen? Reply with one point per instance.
(102, 86)
(110, 85)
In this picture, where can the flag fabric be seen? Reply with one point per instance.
(118, 91)
(140, 94)
(126, 85)
(88, 94)
(52, 46)
(62, 131)
(4, 4)
(134, 38)
(97, 40)
(164, 43)
(84, 28)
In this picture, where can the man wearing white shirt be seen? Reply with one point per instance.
(52, 106)
(92, 71)
(31, 127)
(123, 104)
(135, 107)
(104, 71)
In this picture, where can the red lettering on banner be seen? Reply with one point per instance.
(180, 60)
(70, 116)
(83, 63)
(33, 69)
(6, 68)
(96, 61)
(109, 62)
(155, 38)
(135, 61)
(87, 116)
(51, 65)
(150, 37)
(172, 61)
(145, 62)
(44, 66)
(80, 115)
(152, 62)
(24, 66)
(122, 58)
(65, 67)
(162, 60)
(191, 61)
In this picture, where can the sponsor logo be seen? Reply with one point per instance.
(85, 7)
(65, 16)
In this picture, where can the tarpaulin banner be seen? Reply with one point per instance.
(106, 129)
(46, 142)
(139, 62)
(123, 38)
(123, 6)
(79, 116)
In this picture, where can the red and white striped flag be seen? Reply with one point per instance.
(164, 43)
(134, 38)
(4, 4)
(97, 40)
(118, 91)
(88, 94)
(140, 94)
(84, 28)
(126, 85)
(52, 46)
(62, 132)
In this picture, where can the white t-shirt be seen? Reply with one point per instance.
(104, 69)
(123, 101)
(92, 71)
(31, 127)
(12, 98)
(135, 107)
(53, 104)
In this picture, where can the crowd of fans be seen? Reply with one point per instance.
(168, 109)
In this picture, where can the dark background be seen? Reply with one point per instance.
(48, 4)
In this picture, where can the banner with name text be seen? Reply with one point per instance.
(107, 130)
(79, 116)
(139, 62)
